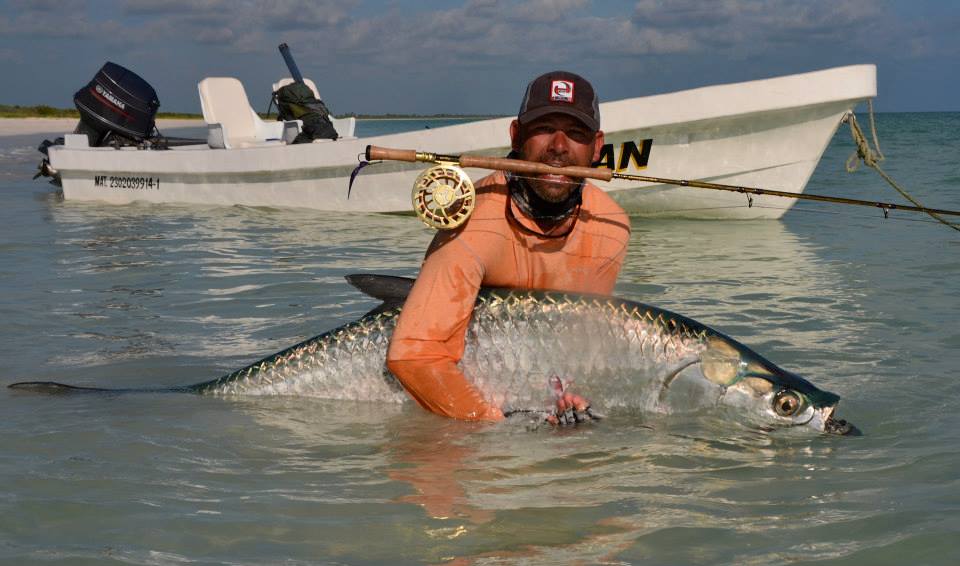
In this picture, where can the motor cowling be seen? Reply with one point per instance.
(117, 106)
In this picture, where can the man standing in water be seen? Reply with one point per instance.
(542, 232)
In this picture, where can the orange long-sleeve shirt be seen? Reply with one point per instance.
(491, 250)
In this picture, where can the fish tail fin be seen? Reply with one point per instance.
(57, 388)
(53, 387)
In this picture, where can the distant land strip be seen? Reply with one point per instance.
(44, 111)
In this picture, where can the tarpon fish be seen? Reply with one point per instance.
(618, 353)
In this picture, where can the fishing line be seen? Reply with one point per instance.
(861, 216)
(799, 207)
(444, 196)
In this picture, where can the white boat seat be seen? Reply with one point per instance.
(231, 122)
(288, 81)
(345, 127)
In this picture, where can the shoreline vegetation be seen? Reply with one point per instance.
(44, 111)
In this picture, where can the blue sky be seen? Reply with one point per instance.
(474, 56)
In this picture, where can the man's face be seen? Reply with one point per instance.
(559, 140)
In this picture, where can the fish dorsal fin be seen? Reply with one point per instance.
(391, 290)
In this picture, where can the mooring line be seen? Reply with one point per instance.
(872, 158)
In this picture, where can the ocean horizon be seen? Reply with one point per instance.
(142, 295)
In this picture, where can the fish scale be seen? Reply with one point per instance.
(515, 342)
(616, 352)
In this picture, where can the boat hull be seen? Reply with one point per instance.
(769, 134)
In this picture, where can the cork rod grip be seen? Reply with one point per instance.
(532, 168)
(388, 154)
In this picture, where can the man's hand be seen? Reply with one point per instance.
(570, 408)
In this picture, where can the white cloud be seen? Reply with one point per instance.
(452, 51)
(546, 11)
(474, 31)
(52, 19)
(11, 56)
(754, 26)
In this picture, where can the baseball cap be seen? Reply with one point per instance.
(564, 93)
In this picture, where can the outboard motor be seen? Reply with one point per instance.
(116, 108)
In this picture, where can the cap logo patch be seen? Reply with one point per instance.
(561, 91)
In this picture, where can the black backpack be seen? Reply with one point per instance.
(297, 102)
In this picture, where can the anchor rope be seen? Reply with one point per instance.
(871, 158)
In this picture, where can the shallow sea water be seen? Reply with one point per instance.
(147, 295)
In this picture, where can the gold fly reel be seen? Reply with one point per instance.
(443, 196)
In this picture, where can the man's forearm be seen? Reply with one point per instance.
(440, 387)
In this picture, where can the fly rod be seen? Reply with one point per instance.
(443, 196)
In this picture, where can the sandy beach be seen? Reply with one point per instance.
(26, 126)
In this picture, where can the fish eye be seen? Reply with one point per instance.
(786, 403)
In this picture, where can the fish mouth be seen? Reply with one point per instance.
(839, 427)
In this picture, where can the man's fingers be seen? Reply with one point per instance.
(573, 401)
(571, 415)
(570, 409)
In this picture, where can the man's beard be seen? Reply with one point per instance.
(555, 191)
(552, 191)
(534, 205)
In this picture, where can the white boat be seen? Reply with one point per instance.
(766, 133)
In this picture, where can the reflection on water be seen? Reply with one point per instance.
(760, 283)
(277, 274)
(597, 492)
(160, 295)
(756, 281)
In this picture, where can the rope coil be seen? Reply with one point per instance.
(872, 158)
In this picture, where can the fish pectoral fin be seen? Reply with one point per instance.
(532, 419)
(539, 417)
(510, 413)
